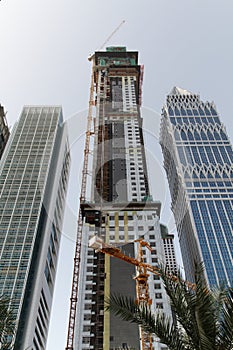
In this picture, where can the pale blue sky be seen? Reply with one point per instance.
(44, 48)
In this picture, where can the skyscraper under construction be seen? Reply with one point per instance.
(120, 208)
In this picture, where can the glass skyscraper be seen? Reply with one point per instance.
(33, 182)
(198, 159)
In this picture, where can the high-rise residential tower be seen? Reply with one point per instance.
(33, 183)
(4, 131)
(120, 209)
(198, 159)
(169, 250)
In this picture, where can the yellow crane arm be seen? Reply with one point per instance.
(100, 246)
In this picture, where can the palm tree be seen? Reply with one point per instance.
(203, 317)
(7, 323)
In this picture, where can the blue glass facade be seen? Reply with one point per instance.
(198, 159)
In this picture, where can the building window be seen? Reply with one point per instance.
(86, 328)
(159, 305)
(87, 317)
(158, 295)
(86, 340)
(89, 287)
(87, 307)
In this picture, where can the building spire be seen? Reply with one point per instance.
(179, 91)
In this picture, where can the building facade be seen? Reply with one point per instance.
(33, 183)
(120, 209)
(198, 159)
(4, 131)
(169, 250)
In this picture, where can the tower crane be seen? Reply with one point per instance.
(107, 40)
(141, 278)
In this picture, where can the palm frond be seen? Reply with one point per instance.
(170, 334)
(203, 318)
(126, 308)
(182, 300)
(158, 324)
(205, 312)
(7, 323)
(225, 336)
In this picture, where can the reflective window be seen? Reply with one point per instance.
(173, 120)
(170, 111)
(210, 155)
(203, 155)
(223, 135)
(196, 135)
(190, 136)
(201, 112)
(216, 135)
(207, 111)
(192, 120)
(217, 155)
(203, 135)
(210, 135)
(183, 135)
(213, 111)
(217, 121)
(183, 111)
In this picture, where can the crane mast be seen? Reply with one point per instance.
(75, 281)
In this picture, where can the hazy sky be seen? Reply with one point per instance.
(44, 48)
